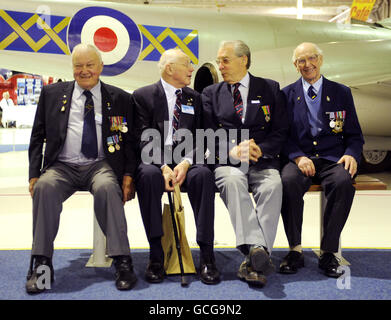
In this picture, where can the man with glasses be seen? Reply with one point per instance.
(324, 146)
(169, 107)
(254, 108)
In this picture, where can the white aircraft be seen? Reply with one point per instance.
(37, 36)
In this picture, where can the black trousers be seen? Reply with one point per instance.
(200, 186)
(339, 192)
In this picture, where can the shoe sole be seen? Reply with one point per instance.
(298, 266)
(252, 283)
(260, 262)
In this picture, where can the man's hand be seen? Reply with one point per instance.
(32, 183)
(246, 151)
(128, 189)
(350, 164)
(169, 178)
(306, 166)
(180, 171)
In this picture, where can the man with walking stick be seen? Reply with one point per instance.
(164, 108)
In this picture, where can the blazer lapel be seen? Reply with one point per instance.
(107, 104)
(227, 105)
(300, 106)
(65, 100)
(160, 104)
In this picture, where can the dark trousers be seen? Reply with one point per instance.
(200, 187)
(339, 192)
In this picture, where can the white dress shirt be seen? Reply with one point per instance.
(71, 152)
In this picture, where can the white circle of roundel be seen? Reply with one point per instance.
(123, 41)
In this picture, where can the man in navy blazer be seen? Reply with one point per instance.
(80, 154)
(324, 146)
(248, 115)
(163, 110)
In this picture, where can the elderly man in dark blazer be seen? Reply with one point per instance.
(324, 146)
(85, 125)
(167, 107)
(253, 107)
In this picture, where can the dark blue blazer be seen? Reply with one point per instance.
(327, 144)
(269, 134)
(151, 112)
(51, 122)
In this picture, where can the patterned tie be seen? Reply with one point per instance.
(177, 113)
(238, 103)
(311, 93)
(89, 142)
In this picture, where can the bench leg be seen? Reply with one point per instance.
(99, 257)
(322, 205)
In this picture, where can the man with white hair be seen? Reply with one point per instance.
(86, 125)
(252, 105)
(324, 146)
(5, 104)
(169, 106)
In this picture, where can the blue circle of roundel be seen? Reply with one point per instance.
(82, 16)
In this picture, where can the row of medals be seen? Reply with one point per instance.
(123, 128)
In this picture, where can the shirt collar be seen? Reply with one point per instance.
(168, 88)
(245, 81)
(95, 90)
(317, 85)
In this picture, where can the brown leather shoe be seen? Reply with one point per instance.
(253, 278)
(260, 261)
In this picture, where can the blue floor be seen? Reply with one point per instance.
(370, 279)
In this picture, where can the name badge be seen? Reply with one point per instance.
(98, 118)
(187, 109)
(255, 101)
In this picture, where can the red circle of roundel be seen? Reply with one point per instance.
(105, 39)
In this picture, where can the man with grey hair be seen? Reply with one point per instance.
(255, 106)
(86, 126)
(324, 146)
(167, 107)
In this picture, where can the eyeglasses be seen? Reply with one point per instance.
(187, 65)
(224, 60)
(313, 58)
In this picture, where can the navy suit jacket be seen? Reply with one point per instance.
(51, 122)
(327, 144)
(151, 112)
(269, 134)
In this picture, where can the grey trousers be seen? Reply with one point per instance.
(254, 224)
(58, 183)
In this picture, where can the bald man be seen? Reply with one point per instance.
(167, 106)
(85, 124)
(324, 146)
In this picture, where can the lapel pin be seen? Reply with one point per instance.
(62, 109)
(298, 98)
(328, 99)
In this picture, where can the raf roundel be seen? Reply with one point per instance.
(115, 35)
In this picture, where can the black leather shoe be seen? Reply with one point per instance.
(155, 272)
(329, 264)
(253, 278)
(260, 261)
(209, 273)
(292, 262)
(125, 278)
(34, 282)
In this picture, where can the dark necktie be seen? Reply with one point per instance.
(311, 93)
(177, 113)
(89, 142)
(238, 103)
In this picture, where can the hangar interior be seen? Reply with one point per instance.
(361, 231)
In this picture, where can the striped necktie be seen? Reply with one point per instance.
(177, 113)
(238, 103)
(89, 142)
(311, 93)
